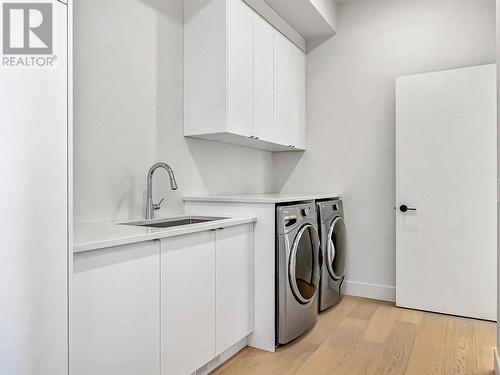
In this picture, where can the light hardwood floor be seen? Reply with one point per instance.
(362, 336)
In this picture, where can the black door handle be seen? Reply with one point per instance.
(404, 208)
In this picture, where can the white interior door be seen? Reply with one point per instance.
(446, 171)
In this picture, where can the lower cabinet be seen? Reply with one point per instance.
(115, 325)
(161, 307)
(234, 285)
(187, 302)
(206, 296)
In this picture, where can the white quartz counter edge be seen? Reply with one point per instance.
(96, 236)
(260, 198)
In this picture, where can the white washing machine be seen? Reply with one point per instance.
(333, 236)
(298, 270)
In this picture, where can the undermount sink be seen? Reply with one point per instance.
(174, 221)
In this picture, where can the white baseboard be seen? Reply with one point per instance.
(367, 290)
(221, 358)
(497, 362)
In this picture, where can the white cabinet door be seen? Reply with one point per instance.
(234, 281)
(239, 68)
(115, 316)
(263, 91)
(290, 93)
(187, 302)
(301, 71)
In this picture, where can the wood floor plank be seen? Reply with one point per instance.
(461, 358)
(367, 359)
(410, 316)
(381, 323)
(429, 350)
(337, 351)
(361, 336)
(365, 310)
(398, 349)
(485, 337)
(485, 360)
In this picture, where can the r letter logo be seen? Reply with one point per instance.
(27, 28)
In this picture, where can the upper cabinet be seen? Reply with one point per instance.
(239, 69)
(263, 79)
(289, 93)
(245, 83)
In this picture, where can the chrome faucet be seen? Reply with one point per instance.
(150, 206)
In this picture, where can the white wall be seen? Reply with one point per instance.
(351, 112)
(129, 114)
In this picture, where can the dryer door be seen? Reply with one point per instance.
(336, 250)
(304, 265)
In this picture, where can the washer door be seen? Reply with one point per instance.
(336, 250)
(304, 266)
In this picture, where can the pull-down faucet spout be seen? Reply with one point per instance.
(150, 206)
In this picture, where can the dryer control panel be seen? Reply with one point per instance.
(329, 209)
(287, 217)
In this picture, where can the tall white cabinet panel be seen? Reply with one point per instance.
(263, 90)
(234, 285)
(187, 302)
(115, 321)
(239, 68)
(290, 93)
(34, 210)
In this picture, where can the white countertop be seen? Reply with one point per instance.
(260, 198)
(100, 235)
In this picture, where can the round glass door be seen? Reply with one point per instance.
(304, 267)
(336, 249)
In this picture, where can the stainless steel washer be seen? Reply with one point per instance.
(298, 270)
(333, 236)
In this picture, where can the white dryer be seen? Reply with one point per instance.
(333, 236)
